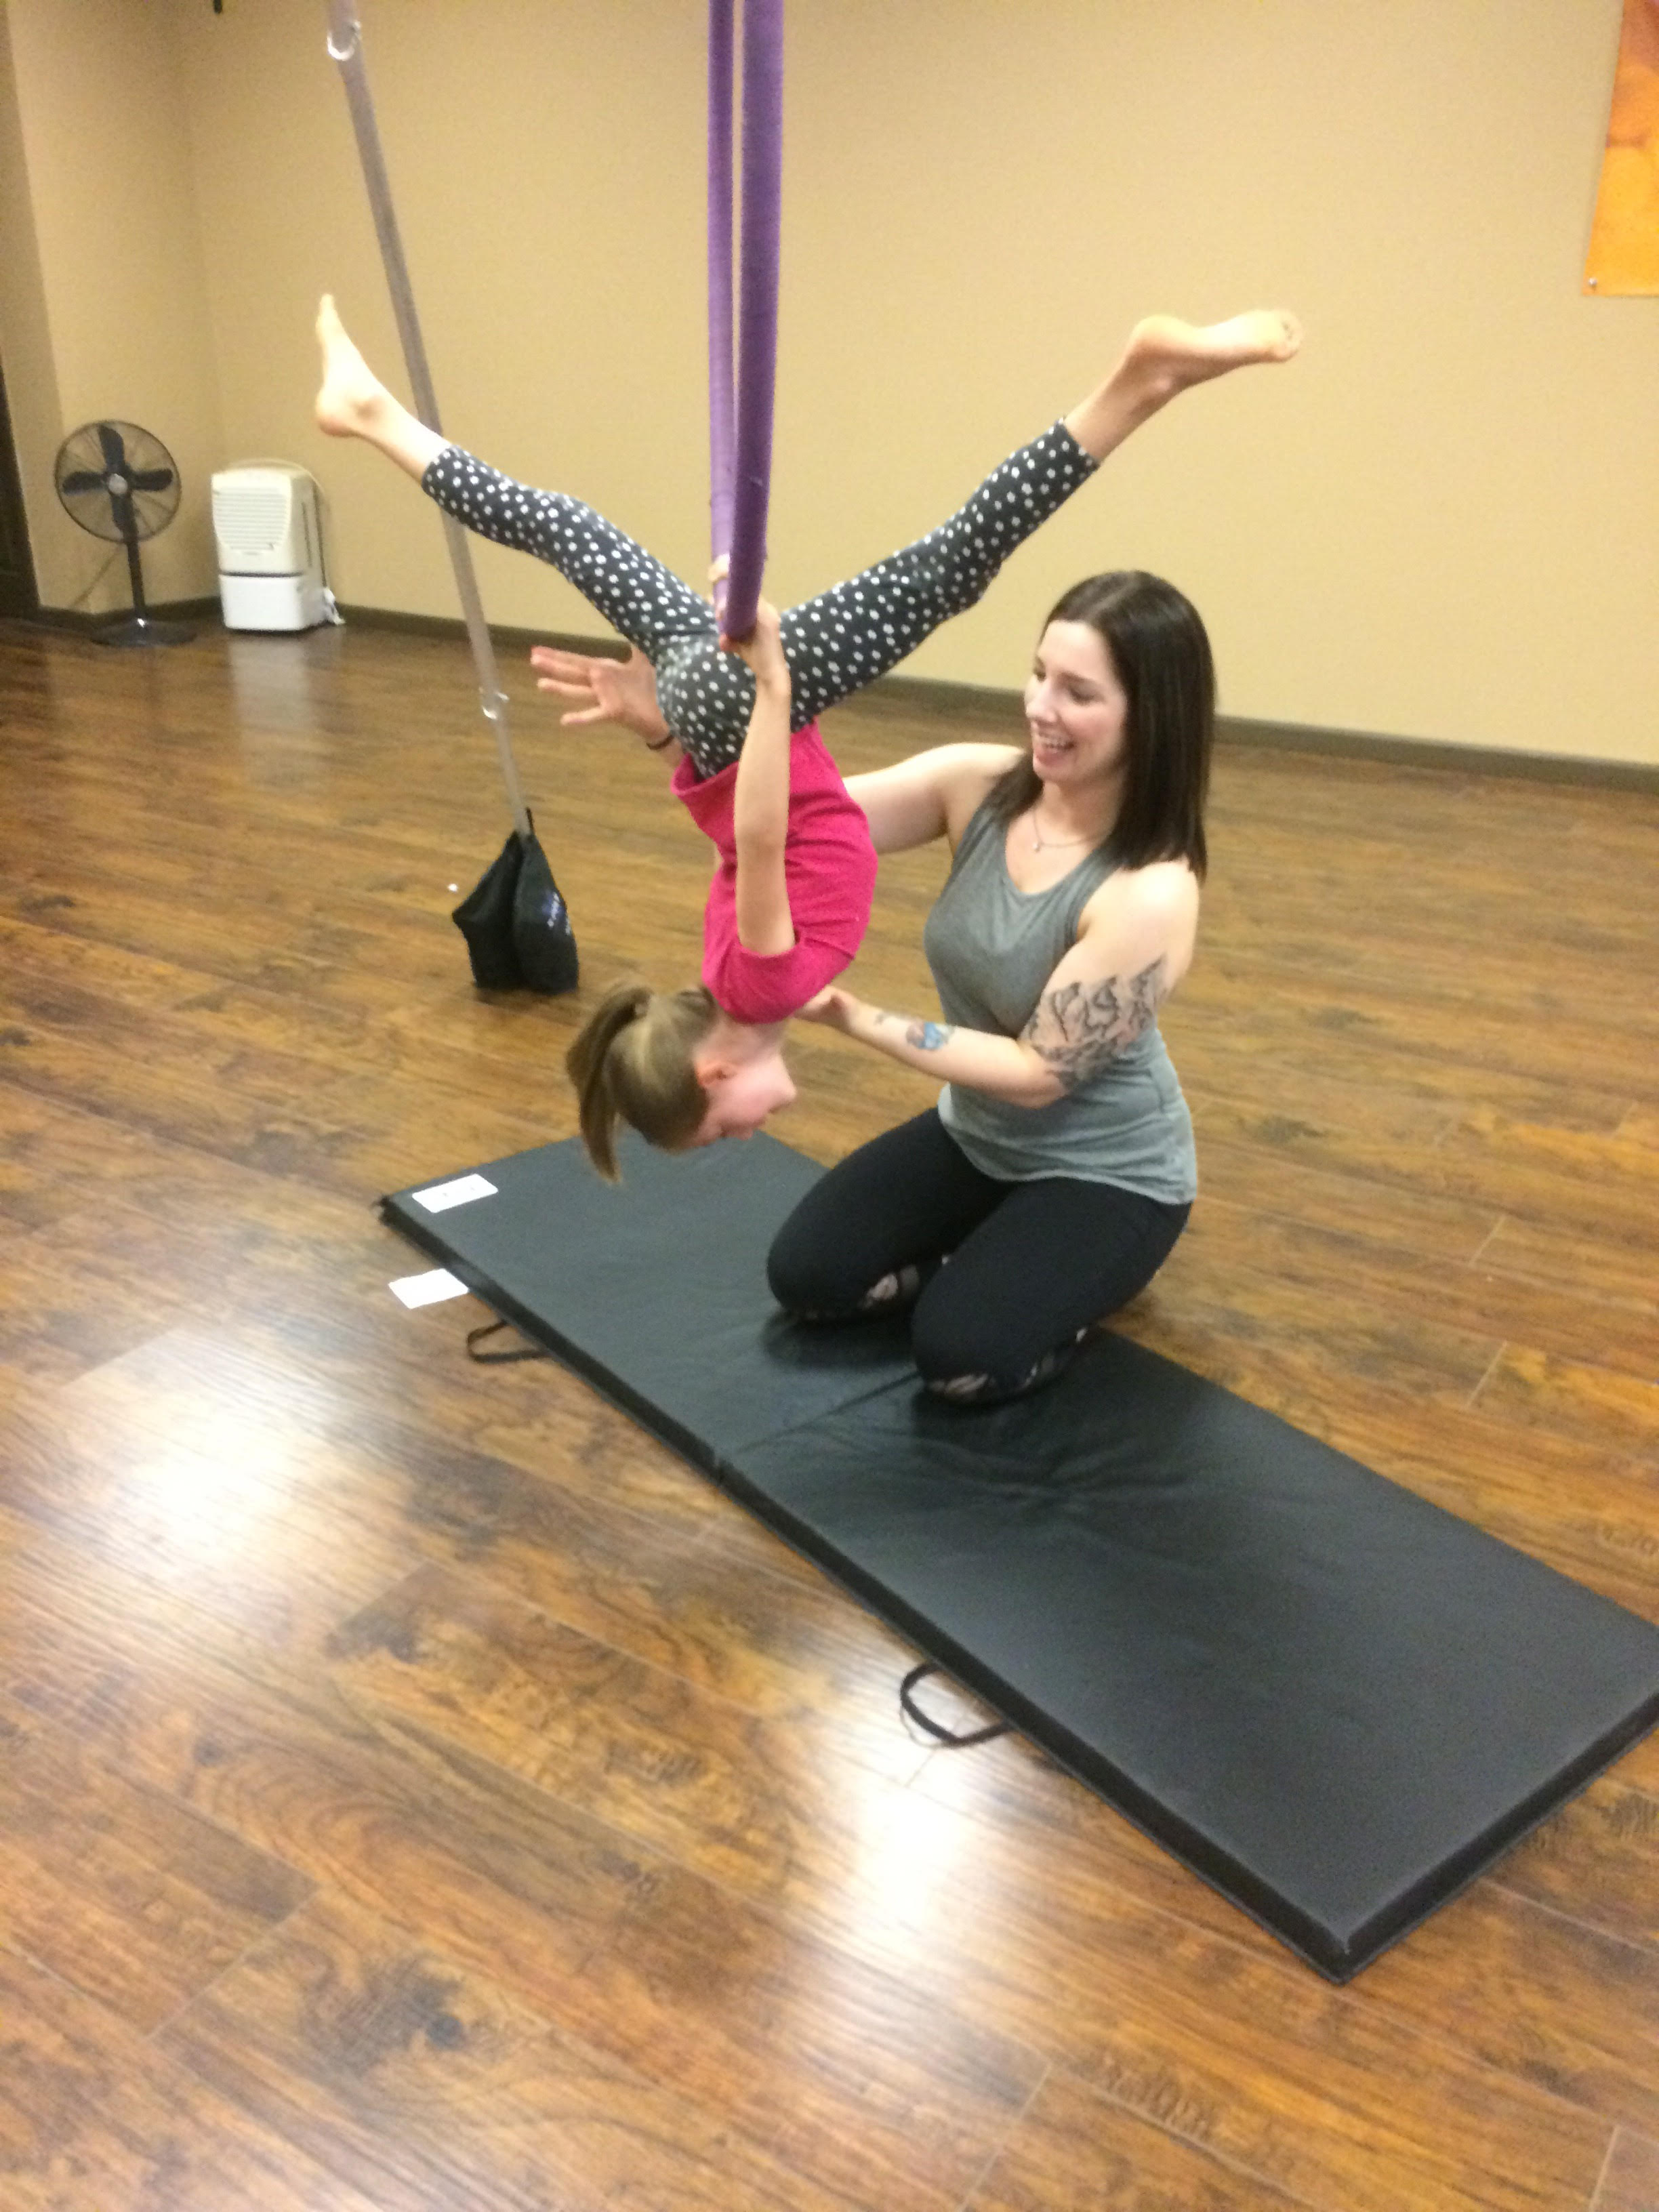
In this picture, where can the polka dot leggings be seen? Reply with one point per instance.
(834, 644)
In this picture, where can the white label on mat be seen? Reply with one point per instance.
(427, 1290)
(461, 1192)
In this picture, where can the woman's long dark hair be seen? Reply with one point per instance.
(1158, 645)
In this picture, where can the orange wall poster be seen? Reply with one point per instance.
(1624, 248)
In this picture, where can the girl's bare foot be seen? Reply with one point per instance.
(353, 402)
(1167, 351)
(1164, 356)
(352, 396)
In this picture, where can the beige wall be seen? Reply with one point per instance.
(1440, 523)
(102, 310)
(32, 391)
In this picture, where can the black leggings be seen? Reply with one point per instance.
(834, 644)
(1031, 1265)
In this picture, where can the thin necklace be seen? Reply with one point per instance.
(1042, 844)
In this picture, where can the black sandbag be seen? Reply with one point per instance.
(541, 935)
(1335, 1701)
(516, 924)
(484, 918)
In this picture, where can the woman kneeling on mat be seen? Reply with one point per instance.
(688, 1067)
(1051, 1181)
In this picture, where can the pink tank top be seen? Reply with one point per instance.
(829, 865)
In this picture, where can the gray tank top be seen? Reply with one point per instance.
(991, 948)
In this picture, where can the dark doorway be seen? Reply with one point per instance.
(17, 593)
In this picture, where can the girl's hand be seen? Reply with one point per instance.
(602, 689)
(763, 647)
(832, 1007)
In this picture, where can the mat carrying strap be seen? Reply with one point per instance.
(953, 1739)
(508, 1355)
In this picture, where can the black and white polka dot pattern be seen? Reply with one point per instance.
(834, 644)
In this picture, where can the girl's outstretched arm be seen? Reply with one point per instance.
(602, 689)
(760, 814)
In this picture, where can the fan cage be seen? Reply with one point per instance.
(87, 453)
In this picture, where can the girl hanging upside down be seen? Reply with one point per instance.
(791, 895)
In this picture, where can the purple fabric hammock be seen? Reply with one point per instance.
(740, 420)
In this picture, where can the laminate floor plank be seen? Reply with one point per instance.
(494, 1456)
(93, 2118)
(341, 2024)
(1620, 1274)
(1534, 1994)
(1304, 938)
(1630, 2182)
(1345, 1204)
(333, 1489)
(1564, 1320)
(430, 2087)
(1075, 2150)
(1341, 1074)
(173, 1701)
(1573, 1398)
(509, 1880)
(1320, 2093)
(774, 1808)
(228, 1524)
(1578, 1178)
(1563, 1179)
(1597, 1861)
(68, 1301)
(115, 1886)
(353, 1133)
(1255, 1332)
(1482, 1031)
(55, 1159)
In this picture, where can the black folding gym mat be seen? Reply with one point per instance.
(1332, 1699)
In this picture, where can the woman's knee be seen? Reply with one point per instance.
(815, 1283)
(965, 1385)
(979, 1357)
(808, 1274)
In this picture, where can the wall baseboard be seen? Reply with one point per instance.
(979, 705)
(507, 635)
(75, 618)
(1441, 753)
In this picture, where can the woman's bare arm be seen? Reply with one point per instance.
(932, 795)
(1134, 946)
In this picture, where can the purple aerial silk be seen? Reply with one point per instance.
(740, 418)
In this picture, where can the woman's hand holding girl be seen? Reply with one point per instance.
(833, 1006)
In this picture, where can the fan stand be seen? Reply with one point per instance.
(140, 627)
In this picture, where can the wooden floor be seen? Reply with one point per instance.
(418, 1791)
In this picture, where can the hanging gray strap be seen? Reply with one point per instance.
(345, 44)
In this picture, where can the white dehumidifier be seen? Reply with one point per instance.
(270, 549)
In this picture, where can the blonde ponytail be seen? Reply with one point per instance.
(633, 1062)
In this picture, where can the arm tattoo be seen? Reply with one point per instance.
(928, 1037)
(925, 1035)
(1078, 1030)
